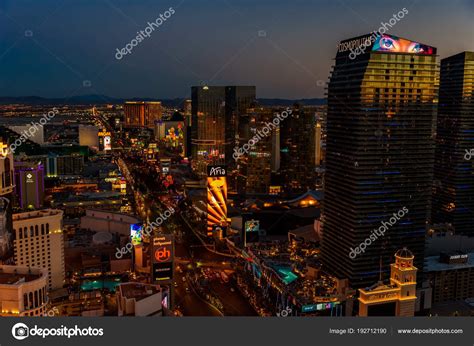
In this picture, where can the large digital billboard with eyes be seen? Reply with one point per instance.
(376, 42)
(394, 44)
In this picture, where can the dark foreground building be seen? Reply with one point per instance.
(453, 200)
(380, 155)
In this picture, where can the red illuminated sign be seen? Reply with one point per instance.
(163, 249)
(162, 254)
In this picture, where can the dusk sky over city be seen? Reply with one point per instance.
(49, 47)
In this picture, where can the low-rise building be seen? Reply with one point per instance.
(23, 291)
(107, 221)
(138, 299)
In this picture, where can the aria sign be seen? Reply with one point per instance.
(216, 171)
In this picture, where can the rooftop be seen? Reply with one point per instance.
(36, 214)
(138, 291)
(432, 264)
(16, 275)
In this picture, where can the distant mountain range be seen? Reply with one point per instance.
(102, 99)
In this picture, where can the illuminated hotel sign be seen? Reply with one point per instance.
(216, 171)
(384, 296)
(162, 255)
(29, 178)
(454, 258)
(216, 197)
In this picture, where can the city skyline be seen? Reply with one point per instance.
(295, 43)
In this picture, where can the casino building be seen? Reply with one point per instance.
(379, 153)
(453, 200)
(397, 298)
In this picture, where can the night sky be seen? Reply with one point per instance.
(52, 48)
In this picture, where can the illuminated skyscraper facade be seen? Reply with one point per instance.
(216, 111)
(208, 126)
(453, 200)
(380, 155)
(142, 114)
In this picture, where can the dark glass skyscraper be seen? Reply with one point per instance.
(237, 100)
(216, 112)
(453, 200)
(297, 153)
(380, 155)
(255, 168)
(208, 126)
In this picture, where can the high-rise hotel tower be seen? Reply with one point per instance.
(453, 200)
(381, 114)
(216, 119)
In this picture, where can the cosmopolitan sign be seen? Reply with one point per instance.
(353, 44)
